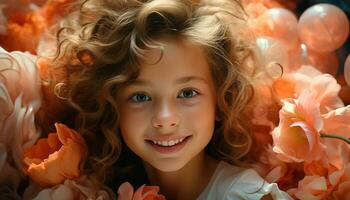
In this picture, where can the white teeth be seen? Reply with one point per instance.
(168, 143)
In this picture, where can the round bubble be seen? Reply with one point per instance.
(347, 70)
(283, 26)
(274, 52)
(326, 62)
(323, 28)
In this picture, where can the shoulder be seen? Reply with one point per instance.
(230, 182)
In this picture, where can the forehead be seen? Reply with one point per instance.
(175, 58)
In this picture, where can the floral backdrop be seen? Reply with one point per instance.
(301, 127)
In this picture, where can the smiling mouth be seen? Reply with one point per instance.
(169, 146)
(168, 143)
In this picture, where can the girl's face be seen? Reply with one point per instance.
(167, 114)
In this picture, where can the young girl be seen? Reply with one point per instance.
(160, 88)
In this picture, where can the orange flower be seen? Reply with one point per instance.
(126, 192)
(31, 23)
(56, 158)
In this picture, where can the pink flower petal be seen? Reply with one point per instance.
(125, 191)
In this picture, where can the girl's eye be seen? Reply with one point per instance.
(188, 93)
(138, 98)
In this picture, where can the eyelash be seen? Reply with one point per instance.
(194, 93)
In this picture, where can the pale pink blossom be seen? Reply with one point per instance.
(20, 99)
(126, 192)
(297, 137)
(9, 177)
(81, 188)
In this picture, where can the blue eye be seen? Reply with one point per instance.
(188, 93)
(138, 98)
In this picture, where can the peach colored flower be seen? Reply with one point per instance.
(297, 137)
(335, 158)
(310, 188)
(337, 122)
(342, 191)
(334, 186)
(288, 86)
(126, 192)
(326, 89)
(337, 153)
(273, 170)
(324, 86)
(318, 167)
(56, 158)
(273, 167)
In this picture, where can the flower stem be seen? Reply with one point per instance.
(347, 140)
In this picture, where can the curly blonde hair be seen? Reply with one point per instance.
(100, 47)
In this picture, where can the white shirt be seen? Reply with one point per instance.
(233, 183)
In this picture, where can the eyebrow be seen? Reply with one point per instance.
(182, 80)
(187, 79)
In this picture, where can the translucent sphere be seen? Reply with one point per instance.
(326, 62)
(347, 70)
(274, 52)
(283, 26)
(323, 28)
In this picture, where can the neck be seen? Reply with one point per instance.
(187, 182)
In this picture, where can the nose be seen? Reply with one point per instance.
(165, 117)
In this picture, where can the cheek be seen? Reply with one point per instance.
(202, 117)
(132, 123)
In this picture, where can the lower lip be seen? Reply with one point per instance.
(170, 149)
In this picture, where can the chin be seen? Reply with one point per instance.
(168, 166)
